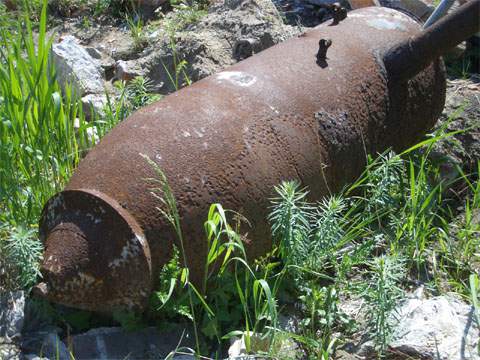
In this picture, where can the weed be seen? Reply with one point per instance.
(178, 77)
(39, 145)
(290, 218)
(382, 295)
(139, 93)
(20, 254)
(457, 252)
(169, 210)
(231, 292)
(137, 31)
(322, 318)
(183, 14)
(475, 298)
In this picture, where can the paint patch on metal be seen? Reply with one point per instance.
(384, 24)
(238, 78)
(382, 13)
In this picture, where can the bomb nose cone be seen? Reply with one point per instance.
(96, 256)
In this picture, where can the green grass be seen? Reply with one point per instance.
(137, 31)
(39, 145)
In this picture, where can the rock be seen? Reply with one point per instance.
(418, 9)
(116, 343)
(107, 63)
(9, 351)
(33, 357)
(9, 4)
(94, 53)
(461, 113)
(12, 306)
(128, 70)
(238, 347)
(147, 7)
(208, 46)
(94, 104)
(45, 344)
(282, 347)
(93, 137)
(76, 66)
(440, 328)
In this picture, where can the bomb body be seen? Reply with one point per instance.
(230, 138)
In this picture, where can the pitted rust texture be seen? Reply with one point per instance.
(96, 227)
(231, 138)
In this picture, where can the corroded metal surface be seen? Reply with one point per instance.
(96, 255)
(230, 138)
(416, 52)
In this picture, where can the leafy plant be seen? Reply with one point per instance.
(137, 31)
(231, 292)
(382, 295)
(20, 254)
(184, 13)
(39, 144)
(322, 318)
(475, 298)
(169, 210)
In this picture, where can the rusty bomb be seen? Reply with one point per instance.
(294, 111)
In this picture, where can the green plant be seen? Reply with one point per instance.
(169, 286)
(137, 31)
(475, 298)
(178, 76)
(139, 93)
(169, 210)
(86, 23)
(101, 7)
(457, 251)
(231, 292)
(290, 218)
(20, 254)
(382, 295)
(184, 13)
(39, 144)
(322, 318)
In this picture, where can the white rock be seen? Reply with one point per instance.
(97, 102)
(441, 328)
(94, 52)
(33, 357)
(91, 132)
(128, 70)
(12, 314)
(76, 66)
(9, 351)
(238, 347)
(288, 323)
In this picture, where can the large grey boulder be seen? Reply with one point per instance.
(440, 328)
(117, 343)
(45, 344)
(12, 305)
(9, 351)
(225, 35)
(77, 67)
